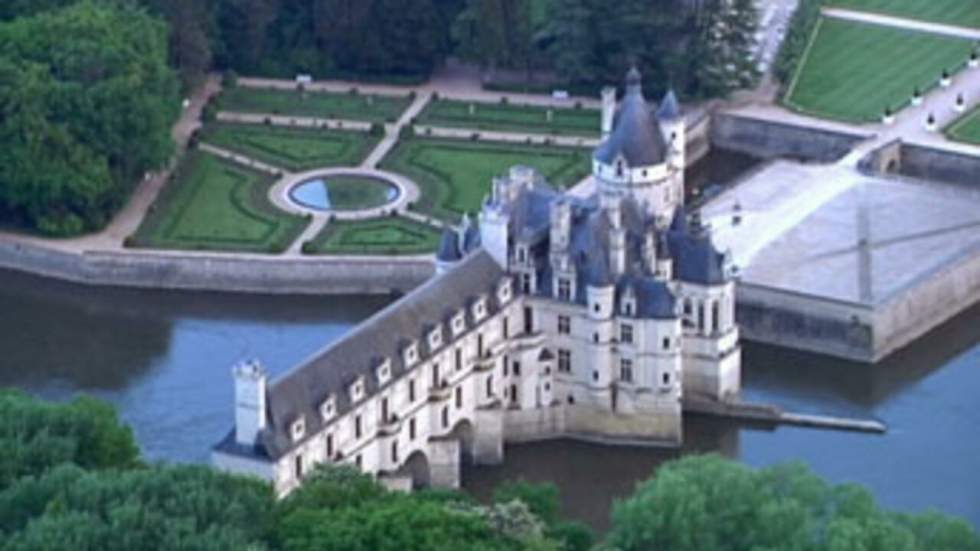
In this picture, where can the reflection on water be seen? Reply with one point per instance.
(163, 358)
(926, 394)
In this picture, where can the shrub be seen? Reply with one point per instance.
(407, 132)
(354, 91)
(475, 136)
(377, 129)
(504, 100)
(229, 79)
(308, 247)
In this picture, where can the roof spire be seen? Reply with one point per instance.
(634, 81)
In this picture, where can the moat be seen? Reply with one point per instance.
(164, 360)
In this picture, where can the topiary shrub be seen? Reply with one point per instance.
(229, 79)
(377, 129)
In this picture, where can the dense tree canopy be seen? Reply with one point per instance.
(708, 502)
(86, 105)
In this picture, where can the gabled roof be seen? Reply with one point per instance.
(301, 391)
(636, 136)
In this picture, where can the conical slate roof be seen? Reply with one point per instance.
(635, 134)
(669, 108)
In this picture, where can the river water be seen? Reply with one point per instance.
(164, 360)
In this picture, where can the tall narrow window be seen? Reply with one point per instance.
(564, 325)
(459, 397)
(564, 360)
(506, 327)
(357, 426)
(517, 369)
(479, 345)
(435, 375)
(445, 417)
(384, 410)
(526, 283)
(714, 316)
(564, 289)
(411, 391)
(489, 386)
(329, 446)
(459, 358)
(528, 320)
(394, 451)
(513, 393)
(626, 333)
(626, 370)
(411, 429)
(299, 466)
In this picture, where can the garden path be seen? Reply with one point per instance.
(902, 23)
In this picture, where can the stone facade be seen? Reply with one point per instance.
(550, 316)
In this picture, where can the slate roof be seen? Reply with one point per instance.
(669, 109)
(635, 135)
(330, 372)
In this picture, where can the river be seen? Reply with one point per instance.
(164, 360)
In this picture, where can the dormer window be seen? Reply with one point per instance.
(629, 306)
(384, 372)
(328, 408)
(505, 291)
(411, 354)
(357, 390)
(480, 309)
(521, 254)
(620, 168)
(459, 323)
(435, 338)
(564, 289)
(298, 429)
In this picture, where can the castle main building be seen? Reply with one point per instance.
(552, 316)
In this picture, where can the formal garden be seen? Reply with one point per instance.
(390, 235)
(306, 103)
(212, 204)
(291, 148)
(967, 128)
(455, 175)
(507, 117)
(963, 13)
(852, 71)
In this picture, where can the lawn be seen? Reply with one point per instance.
(211, 204)
(512, 118)
(390, 235)
(852, 71)
(455, 176)
(964, 13)
(967, 128)
(293, 149)
(330, 105)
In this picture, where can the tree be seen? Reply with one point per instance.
(160, 508)
(36, 436)
(88, 102)
(708, 502)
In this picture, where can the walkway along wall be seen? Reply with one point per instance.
(221, 272)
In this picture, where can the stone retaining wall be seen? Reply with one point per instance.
(935, 164)
(770, 139)
(217, 272)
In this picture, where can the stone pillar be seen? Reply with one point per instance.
(444, 463)
(488, 445)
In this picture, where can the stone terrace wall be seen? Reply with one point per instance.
(770, 139)
(936, 164)
(248, 274)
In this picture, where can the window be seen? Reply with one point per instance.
(595, 337)
(411, 354)
(458, 322)
(394, 451)
(504, 293)
(564, 289)
(328, 409)
(459, 397)
(411, 429)
(628, 308)
(480, 310)
(564, 325)
(714, 317)
(666, 378)
(596, 307)
(526, 283)
(521, 254)
(517, 369)
(626, 333)
(564, 361)
(479, 345)
(528, 319)
(445, 417)
(435, 338)
(384, 410)
(384, 373)
(489, 386)
(298, 428)
(299, 466)
(513, 393)
(358, 461)
(357, 390)
(666, 343)
(506, 366)
(626, 370)
(459, 358)
(411, 391)
(506, 327)
(435, 375)
(357, 426)
(595, 375)
(329, 446)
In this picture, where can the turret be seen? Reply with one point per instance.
(250, 414)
